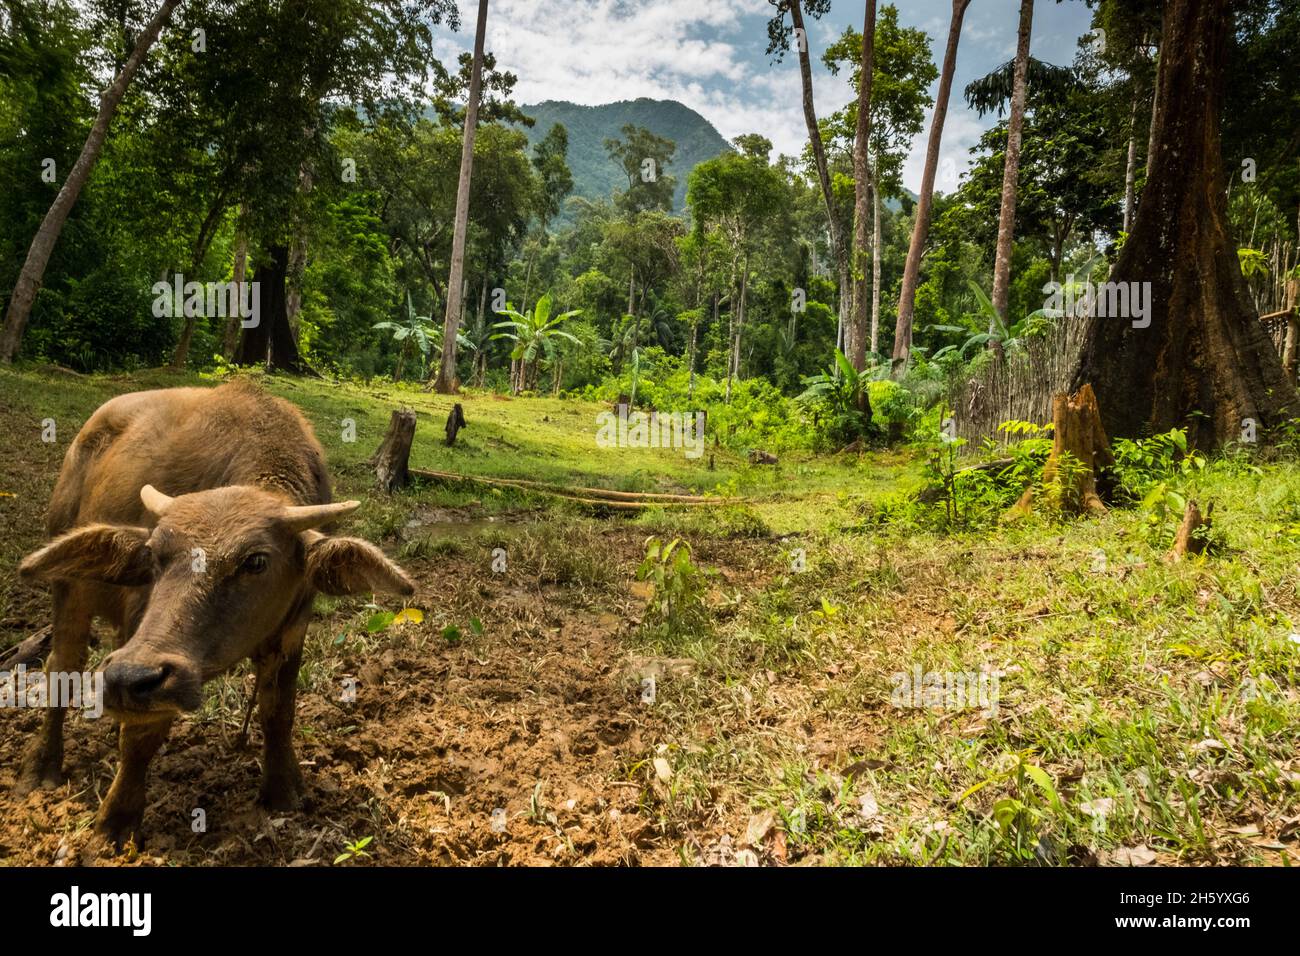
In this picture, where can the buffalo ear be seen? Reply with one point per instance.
(351, 566)
(113, 554)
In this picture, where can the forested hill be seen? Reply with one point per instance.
(594, 174)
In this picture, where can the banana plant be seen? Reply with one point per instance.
(536, 336)
(422, 332)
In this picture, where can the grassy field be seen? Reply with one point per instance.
(1121, 709)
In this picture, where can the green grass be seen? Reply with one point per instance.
(1141, 704)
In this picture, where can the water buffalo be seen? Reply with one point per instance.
(189, 519)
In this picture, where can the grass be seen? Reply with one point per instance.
(1143, 708)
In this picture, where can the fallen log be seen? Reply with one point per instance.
(576, 493)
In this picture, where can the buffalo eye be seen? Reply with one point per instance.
(254, 564)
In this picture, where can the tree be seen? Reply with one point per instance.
(1198, 359)
(1011, 169)
(644, 157)
(740, 195)
(912, 270)
(778, 44)
(446, 382)
(863, 189)
(38, 256)
(904, 70)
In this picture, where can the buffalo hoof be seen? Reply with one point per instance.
(281, 792)
(119, 827)
(39, 771)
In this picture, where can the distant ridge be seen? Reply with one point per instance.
(595, 175)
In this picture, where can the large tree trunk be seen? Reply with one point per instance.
(921, 228)
(1011, 169)
(838, 244)
(863, 188)
(38, 256)
(1199, 358)
(271, 340)
(446, 382)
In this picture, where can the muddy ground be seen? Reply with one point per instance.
(539, 716)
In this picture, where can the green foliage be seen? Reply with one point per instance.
(1142, 464)
(676, 603)
(841, 396)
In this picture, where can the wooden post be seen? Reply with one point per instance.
(455, 422)
(1291, 350)
(394, 453)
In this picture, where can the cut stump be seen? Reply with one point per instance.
(392, 459)
(1193, 533)
(1078, 434)
(455, 422)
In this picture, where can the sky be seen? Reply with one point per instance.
(710, 55)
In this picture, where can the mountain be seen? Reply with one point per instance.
(595, 175)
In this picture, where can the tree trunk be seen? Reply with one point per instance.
(201, 243)
(1198, 358)
(1078, 432)
(838, 245)
(233, 322)
(446, 382)
(863, 187)
(29, 279)
(271, 340)
(875, 267)
(392, 458)
(921, 228)
(1011, 169)
(1130, 168)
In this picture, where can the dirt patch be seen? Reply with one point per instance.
(514, 746)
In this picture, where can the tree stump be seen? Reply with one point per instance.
(1078, 434)
(455, 422)
(1193, 533)
(394, 453)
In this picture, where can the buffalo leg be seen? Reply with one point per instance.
(42, 764)
(277, 687)
(122, 811)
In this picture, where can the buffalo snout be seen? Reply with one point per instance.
(150, 684)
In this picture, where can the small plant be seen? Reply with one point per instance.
(354, 851)
(1022, 818)
(677, 600)
(1141, 464)
(843, 396)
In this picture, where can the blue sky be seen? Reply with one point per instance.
(709, 54)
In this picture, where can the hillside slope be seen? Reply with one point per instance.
(595, 175)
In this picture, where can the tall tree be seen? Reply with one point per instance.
(864, 187)
(38, 256)
(1199, 359)
(1011, 171)
(912, 270)
(446, 382)
(778, 44)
